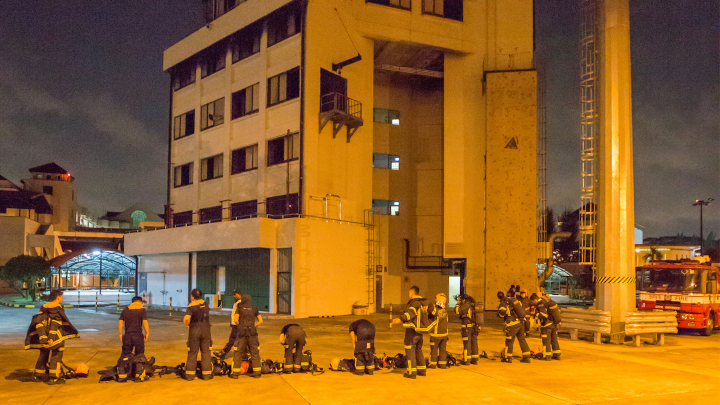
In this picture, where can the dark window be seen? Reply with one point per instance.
(213, 60)
(245, 209)
(212, 114)
(183, 175)
(246, 101)
(182, 218)
(244, 159)
(283, 87)
(383, 161)
(183, 75)
(47, 190)
(216, 8)
(283, 149)
(246, 42)
(452, 9)
(184, 125)
(211, 214)
(283, 24)
(393, 3)
(386, 116)
(386, 207)
(281, 205)
(211, 168)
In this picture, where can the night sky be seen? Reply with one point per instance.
(81, 84)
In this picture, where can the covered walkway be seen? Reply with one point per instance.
(102, 271)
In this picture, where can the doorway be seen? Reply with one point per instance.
(284, 281)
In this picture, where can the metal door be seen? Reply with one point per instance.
(284, 281)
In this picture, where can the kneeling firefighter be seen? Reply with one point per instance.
(512, 313)
(292, 337)
(247, 319)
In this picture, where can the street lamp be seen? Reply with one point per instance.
(701, 203)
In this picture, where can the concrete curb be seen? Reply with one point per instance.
(38, 305)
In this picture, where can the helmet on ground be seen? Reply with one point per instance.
(82, 369)
(334, 364)
(244, 366)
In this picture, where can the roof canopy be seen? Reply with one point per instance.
(52, 168)
(106, 263)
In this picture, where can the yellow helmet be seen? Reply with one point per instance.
(334, 364)
(441, 297)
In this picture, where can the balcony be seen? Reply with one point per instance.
(341, 111)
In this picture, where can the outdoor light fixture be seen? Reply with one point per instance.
(701, 203)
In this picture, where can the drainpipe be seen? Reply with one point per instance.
(551, 243)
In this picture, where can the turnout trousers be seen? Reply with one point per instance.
(511, 333)
(231, 341)
(364, 362)
(199, 341)
(413, 352)
(438, 351)
(294, 343)
(243, 345)
(133, 342)
(469, 335)
(549, 336)
(49, 360)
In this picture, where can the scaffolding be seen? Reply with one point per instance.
(589, 83)
(542, 233)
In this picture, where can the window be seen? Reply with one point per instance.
(182, 218)
(281, 205)
(283, 24)
(246, 42)
(246, 101)
(212, 114)
(183, 175)
(283, 149)
(283, 87)
(216, 8)
(245, 209)
(184, 125)
(393, 3)
(386, 207)
(452, 9)
(48, 190)
(183, 75)
(386, 116)
(211, 168)
(211, 214)
(214, 60)
(383, 161)
(244, 159)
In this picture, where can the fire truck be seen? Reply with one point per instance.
(689, 287)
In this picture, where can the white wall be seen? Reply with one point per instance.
(173, 269)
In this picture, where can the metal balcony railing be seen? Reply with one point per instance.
(342, 111)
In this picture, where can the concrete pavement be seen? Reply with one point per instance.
(686, 369)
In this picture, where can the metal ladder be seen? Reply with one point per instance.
(370, 225)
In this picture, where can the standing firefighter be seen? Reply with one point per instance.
(198, 320)
(512, 313)
(292, 337)
(362, 335)
(413, 323)
(247, 318)
(134, 319)
(48, 331)
(221, 354)
(468, 328)
(439, 333)
(548, 314)
(529, 308)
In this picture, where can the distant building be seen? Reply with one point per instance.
(134, 217)
(58, 186)
(644, 253)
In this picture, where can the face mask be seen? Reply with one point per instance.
(440, 304)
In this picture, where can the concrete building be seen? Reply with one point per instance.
(310, 139)
(59, 188)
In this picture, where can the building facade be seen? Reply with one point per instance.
(328, 153)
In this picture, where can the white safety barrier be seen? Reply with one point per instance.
(589, 320)
(656, 322)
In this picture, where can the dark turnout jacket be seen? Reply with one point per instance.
(50, 323)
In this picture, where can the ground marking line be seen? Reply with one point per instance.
(296, 391)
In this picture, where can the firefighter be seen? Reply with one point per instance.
(512, 313)
(134, 319)
(439, 333)
(411, 320)
(197, 319)
(292, 337)
(548, 314)
(362, 335)
(221, 354)
(529, 308)
(48, 331)
(468, 329)
(247, 318)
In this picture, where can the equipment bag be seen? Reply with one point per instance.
(451, 360)
(399, 361)
(306, 361)
(220, 367)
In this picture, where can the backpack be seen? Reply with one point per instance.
(220, 367)
(306, 361)
(399, 361)
(133, 368)
(451, 360)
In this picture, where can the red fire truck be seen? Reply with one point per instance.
(686, 286)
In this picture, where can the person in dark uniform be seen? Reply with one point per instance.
(548, 315)
(292, 337)
(413, 338)
(468, 329)
(439, 333)
(362, 335)
(512, 313)
(197, 319)
(48, 331)
(134, 319)
(221, 354)
(529, 308)
(247, 320)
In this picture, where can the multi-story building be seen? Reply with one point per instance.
(58, 186)
(325, 153)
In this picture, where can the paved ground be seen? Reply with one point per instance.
(686, 369)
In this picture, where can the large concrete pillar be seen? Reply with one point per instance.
(616, 211)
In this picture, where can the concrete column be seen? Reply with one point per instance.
(272, 307)
(616, 211)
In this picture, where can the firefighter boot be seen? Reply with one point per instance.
(369, 371)
(410, 375)
(431, 366)
(55, 381)
(556, 356)
(547, 358)
(422, 373)
(525, 359)
(473, 362)
(506, 360)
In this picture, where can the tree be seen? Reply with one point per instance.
(653, 255)
(568, 247)
(26, 269)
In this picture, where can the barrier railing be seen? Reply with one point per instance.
(657, 323)
(588, 320)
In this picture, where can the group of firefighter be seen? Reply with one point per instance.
(50, 328)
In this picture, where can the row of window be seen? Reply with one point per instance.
(452, 9)
(281, 88)
(279, 150)
(281, 25)
(275, 207)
